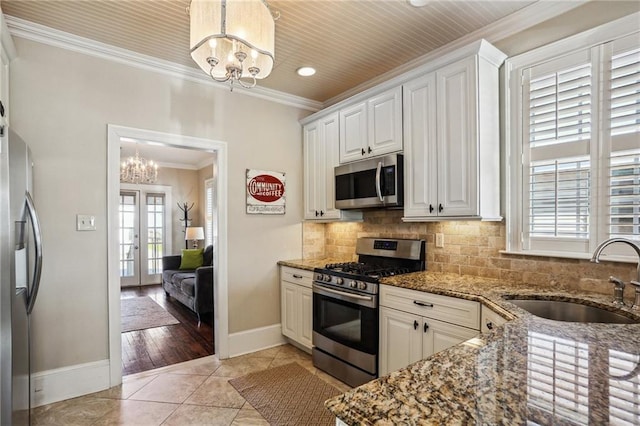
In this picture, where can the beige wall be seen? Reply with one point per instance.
(471, 248)
(61, 103)
(184, 189)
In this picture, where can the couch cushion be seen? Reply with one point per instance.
(191, 259)
(179, 276)
(187, 286)
(207, 256)
(168, 275)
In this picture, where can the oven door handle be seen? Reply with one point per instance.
(345, 294)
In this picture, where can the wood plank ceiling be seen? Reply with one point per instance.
(347, 41)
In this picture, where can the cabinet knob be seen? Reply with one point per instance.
(362, 151)
(415, 324)
(369, 150)
(426, 327)
(430, 208)
(316, 213)
(440, 208)
(489, 325)
(321, 213)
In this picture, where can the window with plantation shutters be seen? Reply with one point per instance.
(558, 175)
(624, 131)
(209, 211)
(575, 146)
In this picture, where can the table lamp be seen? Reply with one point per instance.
(194, 233)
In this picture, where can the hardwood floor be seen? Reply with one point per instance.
(144, 350)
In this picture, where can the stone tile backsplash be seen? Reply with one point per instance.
(471, 248)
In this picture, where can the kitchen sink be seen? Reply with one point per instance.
(571, 311)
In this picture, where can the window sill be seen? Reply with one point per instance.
(567, 255)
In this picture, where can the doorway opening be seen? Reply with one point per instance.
(144, 227)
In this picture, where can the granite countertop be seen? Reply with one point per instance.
(528, 370)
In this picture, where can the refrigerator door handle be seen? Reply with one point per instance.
(37, 236)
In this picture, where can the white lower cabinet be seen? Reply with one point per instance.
(296, 305)
(490, 320)
(409, 330)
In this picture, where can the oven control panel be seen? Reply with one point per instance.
(348, 283)
(385, 245)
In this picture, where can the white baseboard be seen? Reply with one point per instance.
(69, 382)
(248, 341)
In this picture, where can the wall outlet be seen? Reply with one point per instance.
(439, 240)
(85, 222)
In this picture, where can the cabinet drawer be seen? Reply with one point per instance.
(443, 308)
(297, 276)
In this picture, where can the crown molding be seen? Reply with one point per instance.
(7, 41)
(183, 166)
(509, 25)
(52, 37)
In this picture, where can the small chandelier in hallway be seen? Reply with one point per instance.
(138, 170)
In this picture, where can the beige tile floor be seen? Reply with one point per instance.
(191, 393)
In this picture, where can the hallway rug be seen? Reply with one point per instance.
(288, 395)
(139, 313)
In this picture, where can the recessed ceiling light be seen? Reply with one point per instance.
(306, 71)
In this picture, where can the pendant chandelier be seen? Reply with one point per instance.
(233, 40)
(138, 170)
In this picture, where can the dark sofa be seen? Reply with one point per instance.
(192, 288)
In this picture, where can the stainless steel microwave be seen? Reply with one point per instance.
(374, 182)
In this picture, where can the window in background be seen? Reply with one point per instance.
(577, 136)
(209, 203)
(155, 232)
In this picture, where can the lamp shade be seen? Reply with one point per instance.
(220, 28)
(194, 233)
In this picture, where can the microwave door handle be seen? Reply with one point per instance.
(37, 236)
(378, 183)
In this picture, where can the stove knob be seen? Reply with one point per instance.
(362, 286)
(339, 281)
(327, 278)
(353, 284)
(319, 277)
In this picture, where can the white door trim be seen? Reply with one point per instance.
(221, 321)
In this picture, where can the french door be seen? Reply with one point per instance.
(144, 231)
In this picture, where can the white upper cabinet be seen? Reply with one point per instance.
(353, 133)
(451, 141)
(320, 153)
(372, 127)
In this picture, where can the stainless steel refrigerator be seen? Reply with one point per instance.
(20, 269)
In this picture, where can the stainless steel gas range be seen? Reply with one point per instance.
(345, 306)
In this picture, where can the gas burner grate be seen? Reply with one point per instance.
(371, 270)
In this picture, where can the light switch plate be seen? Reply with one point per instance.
(439, 240)
(85, 222)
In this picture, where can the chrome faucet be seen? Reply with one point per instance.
(618, 283)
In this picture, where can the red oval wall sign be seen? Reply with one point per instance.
(266, 188)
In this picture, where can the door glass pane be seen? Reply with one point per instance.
(155, 227)
(127, 213)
